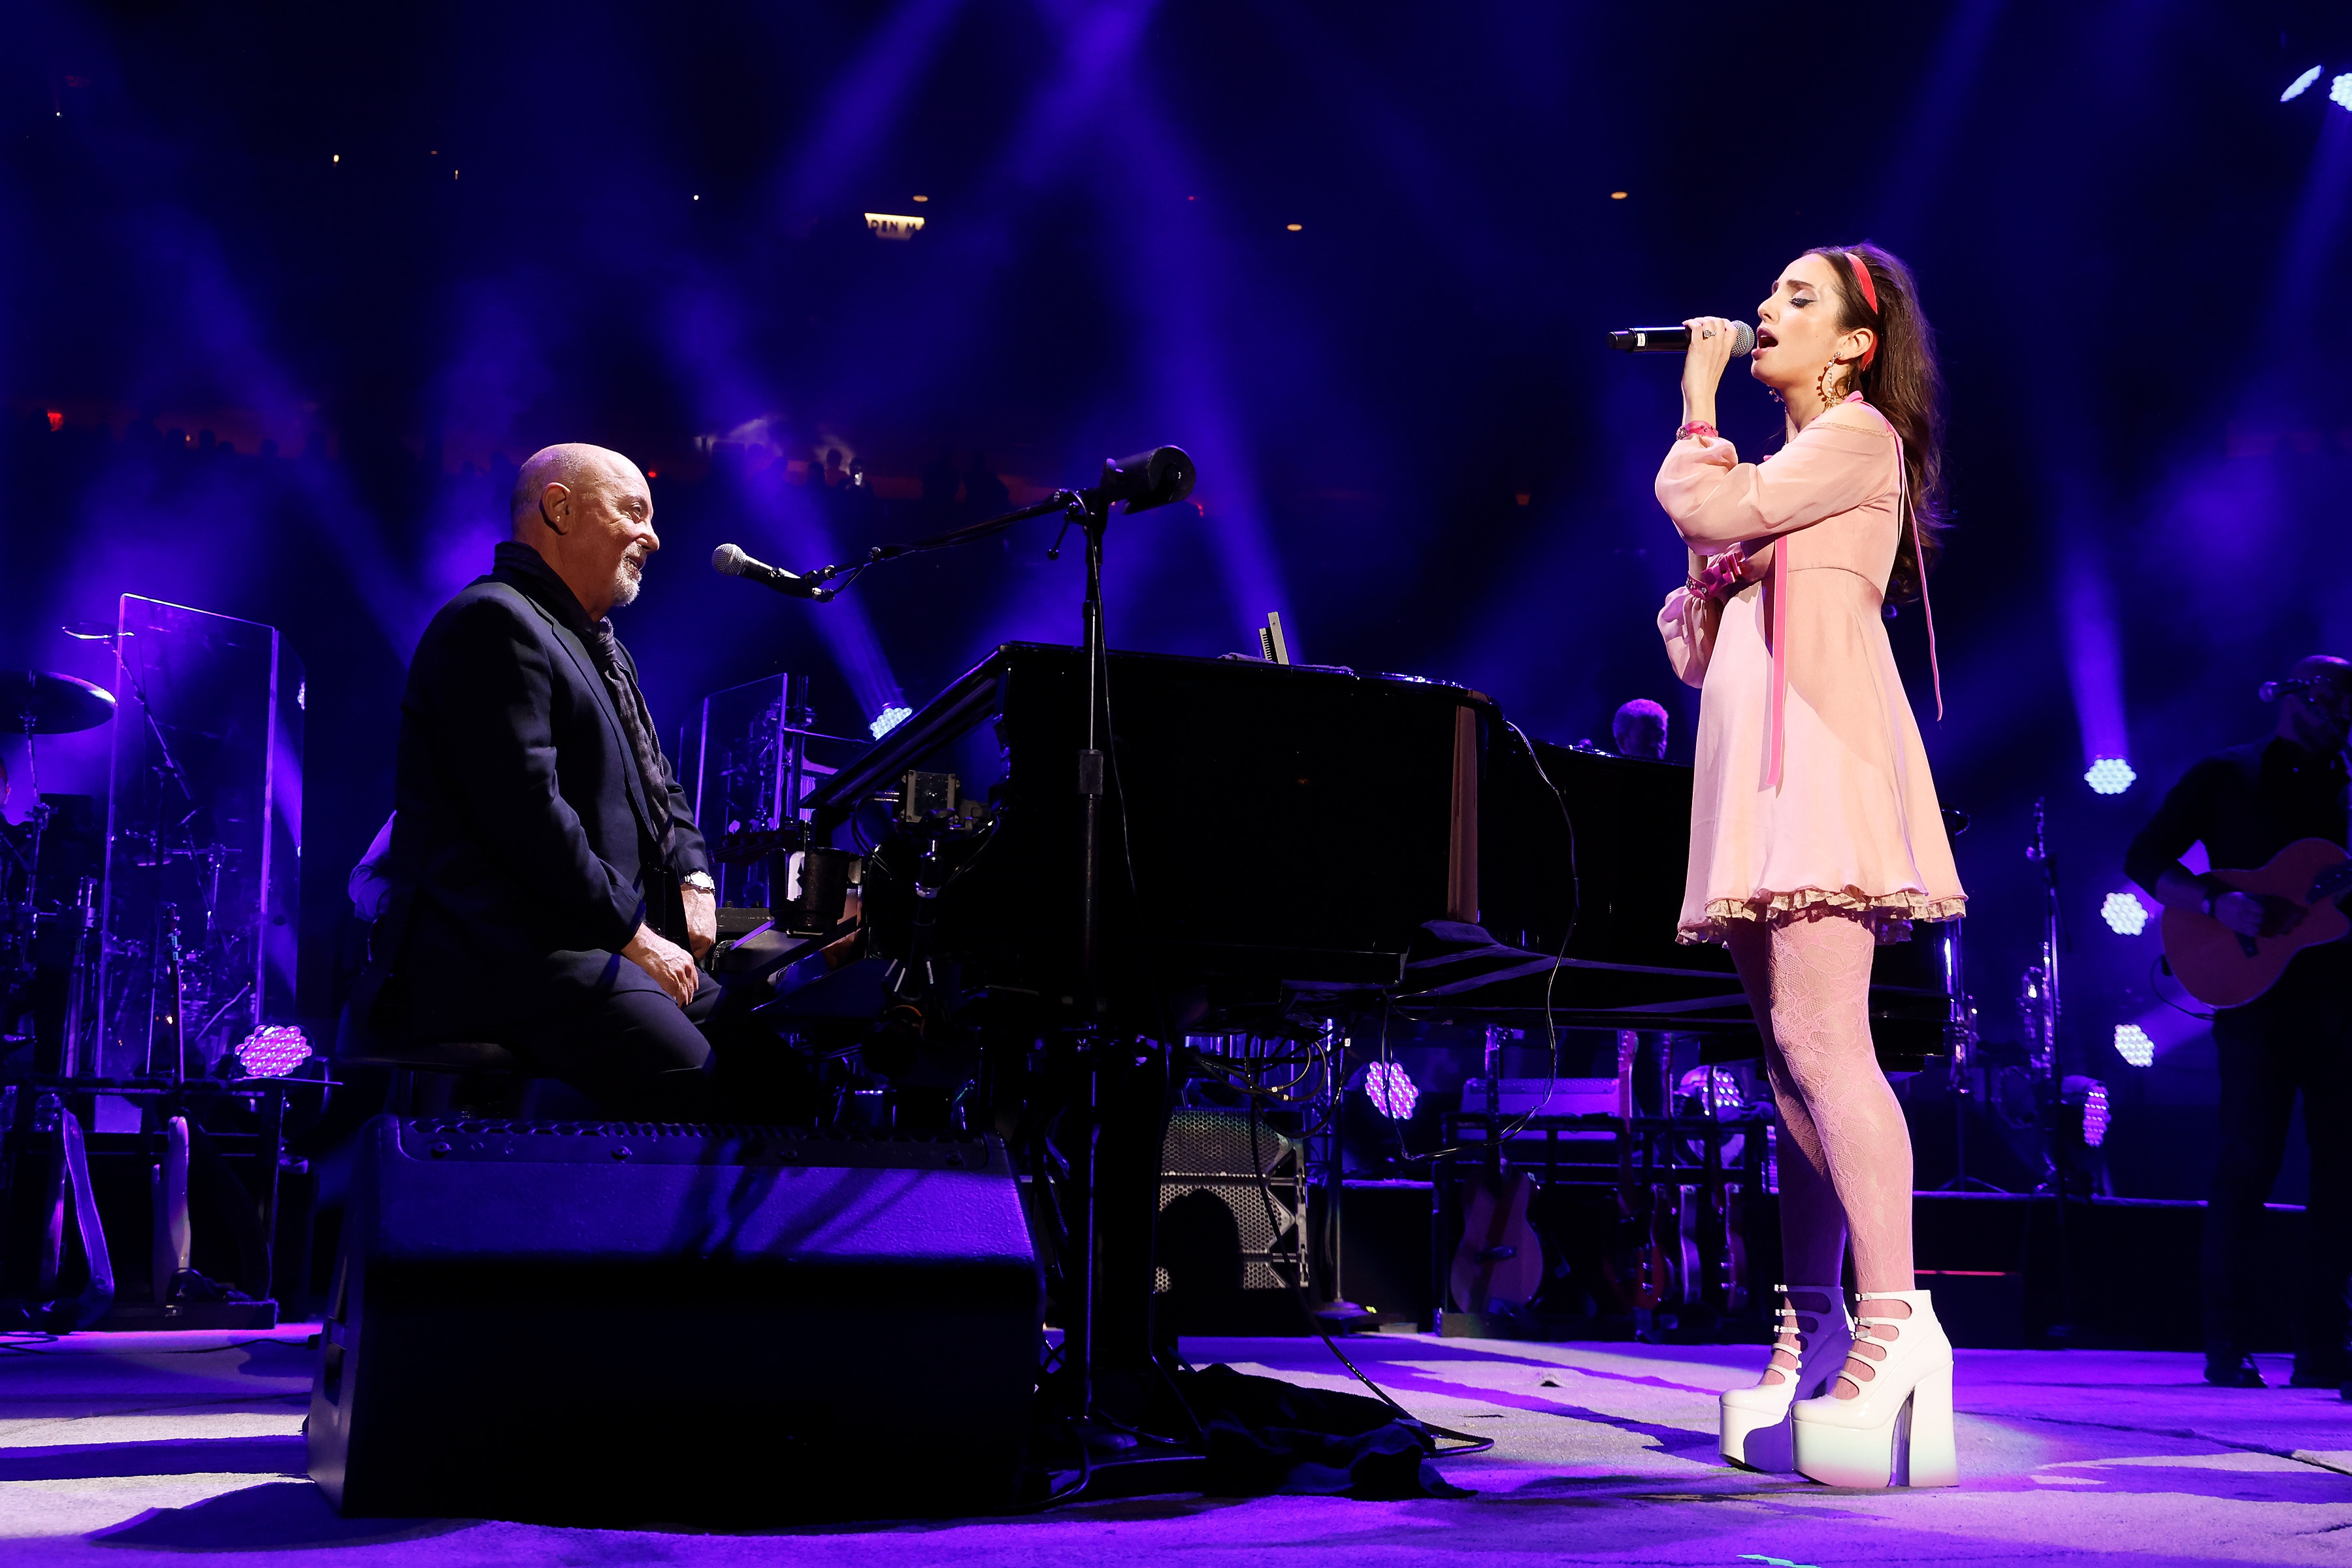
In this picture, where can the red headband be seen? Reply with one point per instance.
(1870, 292)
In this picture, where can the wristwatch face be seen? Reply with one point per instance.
(699, 881)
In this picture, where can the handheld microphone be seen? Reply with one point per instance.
(729, 560)
(1675, 339)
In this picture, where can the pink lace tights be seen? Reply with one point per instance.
(1845, 1151)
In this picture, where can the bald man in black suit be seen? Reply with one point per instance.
(550, 892)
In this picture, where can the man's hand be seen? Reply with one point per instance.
(2248, 914)
(701, 919)
(670, 965)
(2257, 914)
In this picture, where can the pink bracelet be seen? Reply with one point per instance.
(1699, 428)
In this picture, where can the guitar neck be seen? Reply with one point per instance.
(1494, 1102)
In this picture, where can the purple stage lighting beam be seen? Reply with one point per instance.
(2093, 645)
(1940, 104)
(860, 115)
(1172, 282)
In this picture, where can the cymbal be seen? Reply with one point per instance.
(51, 704)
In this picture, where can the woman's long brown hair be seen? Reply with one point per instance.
(1903, 383)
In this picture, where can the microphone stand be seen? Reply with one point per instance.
(1065, 501)
(1088, 510)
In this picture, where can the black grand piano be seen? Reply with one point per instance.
(1282, 842)
(1281, 849)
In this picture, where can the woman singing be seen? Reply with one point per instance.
(1814, 827)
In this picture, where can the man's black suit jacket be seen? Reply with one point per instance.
(523, 856)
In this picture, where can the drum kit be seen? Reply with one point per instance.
(39, 928)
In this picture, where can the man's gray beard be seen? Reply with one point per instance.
(626, 585)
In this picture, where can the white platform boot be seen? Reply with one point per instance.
(1898, 1431)
(1756, 1429)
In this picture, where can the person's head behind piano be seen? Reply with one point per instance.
(1640, 730)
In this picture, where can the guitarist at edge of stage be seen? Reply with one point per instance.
(2246, 805)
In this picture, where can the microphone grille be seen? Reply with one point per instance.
(727, 560)
(1743, 339)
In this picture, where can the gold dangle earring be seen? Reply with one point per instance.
(1821, 383)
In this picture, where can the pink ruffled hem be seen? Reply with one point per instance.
(1888, 914)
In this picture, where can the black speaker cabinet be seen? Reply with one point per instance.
(617, 1323)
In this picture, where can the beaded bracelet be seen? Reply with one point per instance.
(1700, 429)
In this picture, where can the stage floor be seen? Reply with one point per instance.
(118, 1447)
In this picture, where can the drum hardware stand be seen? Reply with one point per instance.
(2045, 1014)
(1960, 1036)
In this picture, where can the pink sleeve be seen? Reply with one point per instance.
(1715, 500)
(1686, 622)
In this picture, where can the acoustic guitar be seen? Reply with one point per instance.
(1500, 1258)
(2223, 968)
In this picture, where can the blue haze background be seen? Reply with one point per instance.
(407, 245)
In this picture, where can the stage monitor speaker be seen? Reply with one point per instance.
(626, 1323)
(1230, 1239)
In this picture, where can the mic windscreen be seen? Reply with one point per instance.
(729, 560)
(1743, 339)
(1156, 478)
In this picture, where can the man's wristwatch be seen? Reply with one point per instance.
(699, 881)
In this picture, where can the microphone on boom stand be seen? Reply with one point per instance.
(1157, 477)
(729, 561)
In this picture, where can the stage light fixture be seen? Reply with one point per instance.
(1391, 1090)
(2089, 1097)
(2339, 91)
(889, 719)
(273, 1052)
(1294, 227)
(1618, 195)
(2134, 1045)
(2300, 85)
(2109, 775)
(2124, 914)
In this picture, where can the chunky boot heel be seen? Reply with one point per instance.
(1898, 1430)
(1933, 1452)
(1756, 1434)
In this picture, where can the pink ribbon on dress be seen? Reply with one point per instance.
(1779, 704)
(1780, 654)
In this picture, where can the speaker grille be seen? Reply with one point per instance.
(1209, 1151)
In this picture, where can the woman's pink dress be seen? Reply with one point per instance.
(1853, 822)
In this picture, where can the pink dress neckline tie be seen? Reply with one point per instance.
(1779, 704)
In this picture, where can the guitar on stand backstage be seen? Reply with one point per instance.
(1635, 1267)
(1499, 1265)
